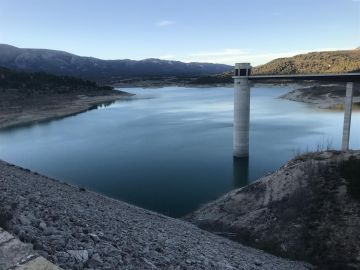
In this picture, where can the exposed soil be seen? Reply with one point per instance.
(308, 210)
(324, 96)
(19, 109)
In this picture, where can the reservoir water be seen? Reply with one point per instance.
(170, 149)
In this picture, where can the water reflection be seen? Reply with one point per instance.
(170, 149)
(241, 171)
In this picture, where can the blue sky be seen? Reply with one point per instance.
(222, 31)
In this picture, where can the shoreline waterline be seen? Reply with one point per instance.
(170, 149)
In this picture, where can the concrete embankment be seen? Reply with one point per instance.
(16, 255)
(307, 210)
(78, 229)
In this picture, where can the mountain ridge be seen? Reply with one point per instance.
(64, 63)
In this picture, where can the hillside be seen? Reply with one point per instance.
(44, 83)
(314, 62)
(63, 63)
(307, 210)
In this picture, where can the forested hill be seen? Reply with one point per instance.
(314, 62)
(43, 83)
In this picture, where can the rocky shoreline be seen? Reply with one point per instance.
(307, 210)
(79, 229)
(324, 96)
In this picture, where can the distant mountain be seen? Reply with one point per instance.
(314, 62)
(63, 63)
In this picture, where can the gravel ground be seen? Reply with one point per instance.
(78, 229)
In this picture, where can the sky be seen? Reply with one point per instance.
(219, 31)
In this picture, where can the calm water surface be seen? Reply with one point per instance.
(170, 149)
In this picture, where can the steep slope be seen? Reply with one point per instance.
(78, 229)
(63, 63)
(308, 210)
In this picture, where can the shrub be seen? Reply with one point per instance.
(350, 170)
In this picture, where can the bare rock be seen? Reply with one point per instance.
(95, 261)
(79, 255)
(85, 230)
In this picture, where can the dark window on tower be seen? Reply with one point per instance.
(236, 72)
(242, 72)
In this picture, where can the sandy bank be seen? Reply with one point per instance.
(41, 108)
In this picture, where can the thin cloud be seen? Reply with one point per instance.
(164, 23)
(231, 56)
(220, 53)
(166, 57)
